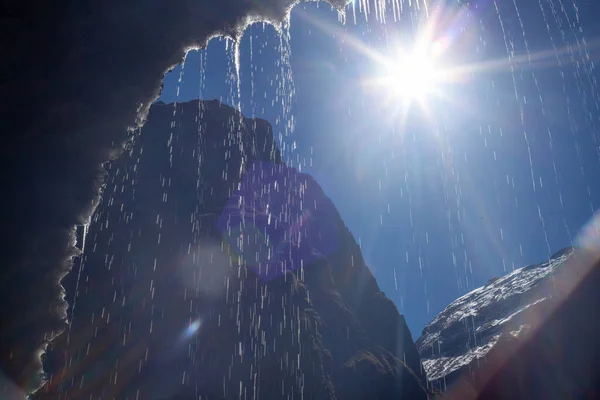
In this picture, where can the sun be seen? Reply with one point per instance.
(411, 76)
(414, 74)
(421, 67)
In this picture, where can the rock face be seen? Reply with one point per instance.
(212, 269)
(470, 326)
(530, 334)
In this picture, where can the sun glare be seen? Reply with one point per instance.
(419, 69)
(416, 73)
(411, 76)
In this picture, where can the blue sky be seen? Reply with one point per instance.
(498, 170)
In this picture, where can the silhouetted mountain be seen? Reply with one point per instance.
(528, 335)
(212, 269)
(60, 123)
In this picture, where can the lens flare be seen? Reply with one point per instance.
(192, 329)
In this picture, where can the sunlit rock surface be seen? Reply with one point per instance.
(520, 336)
(470, 326)
(211, 269)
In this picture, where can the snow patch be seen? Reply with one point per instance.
(471, 325)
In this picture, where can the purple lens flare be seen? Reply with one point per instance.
(278, 220)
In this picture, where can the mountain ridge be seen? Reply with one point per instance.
(471, 325)
(218, 269)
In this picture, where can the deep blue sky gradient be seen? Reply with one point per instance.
(496, 175)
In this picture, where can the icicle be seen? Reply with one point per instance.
(342, 16)
(86, 227)
(236, 63)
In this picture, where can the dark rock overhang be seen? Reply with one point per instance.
(75, 76)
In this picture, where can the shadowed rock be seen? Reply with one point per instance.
(212, 269)
(75, 75)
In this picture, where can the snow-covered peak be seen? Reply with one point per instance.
(470, 326)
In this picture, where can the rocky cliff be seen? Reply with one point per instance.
(529, 334)
(470, 326)
(212, 269)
